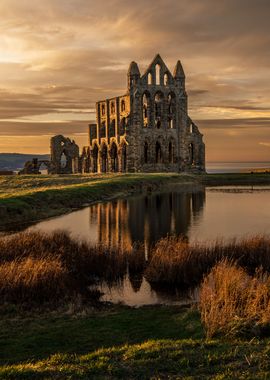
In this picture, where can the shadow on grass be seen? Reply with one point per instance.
(37, 338)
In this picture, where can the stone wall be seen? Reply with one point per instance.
(64, 156)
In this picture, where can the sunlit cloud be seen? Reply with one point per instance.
(265, 144)
(57, 58)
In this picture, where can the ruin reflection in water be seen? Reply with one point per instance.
(146, 218)
(226, 213)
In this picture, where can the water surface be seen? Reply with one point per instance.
(197, 213)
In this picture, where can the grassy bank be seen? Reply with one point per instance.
(150, 342)
(30, 198)
(235, 179)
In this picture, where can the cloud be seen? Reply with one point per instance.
(265, 144)
(60, 56)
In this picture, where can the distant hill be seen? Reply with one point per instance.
(16, 161)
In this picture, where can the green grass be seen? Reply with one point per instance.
(235, 179)
(149, 342)
(36, 338)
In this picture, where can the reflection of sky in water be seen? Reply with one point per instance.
(146, 218)
(195, 213)
(144, 295)
(229, 214)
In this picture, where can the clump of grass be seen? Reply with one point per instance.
(37, 267)
(32, 279)
(71, 266)
(232, 302)
(174, 262)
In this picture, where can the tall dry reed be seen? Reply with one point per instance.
(33, 280)
(233, 302)
(30, 260)
(175, 262)
(73, 266)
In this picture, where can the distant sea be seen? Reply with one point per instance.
(236, 167)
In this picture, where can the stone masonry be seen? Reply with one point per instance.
(147, 129)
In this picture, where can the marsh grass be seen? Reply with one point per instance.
(175, 262)
(234, 303)
(36, 267)
(31, 279)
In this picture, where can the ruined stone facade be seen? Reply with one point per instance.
(64, 156)
(33, 167)
(147, 129)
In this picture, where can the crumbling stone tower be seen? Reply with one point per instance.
(147, 129)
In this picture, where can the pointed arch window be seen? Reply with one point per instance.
(112, 108)
(159, 107)
(103, 109)
(146, 109)
(166, 79)
(158, 74)
(102, 131)
(149, 78)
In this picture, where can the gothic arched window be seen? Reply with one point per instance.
(158, 74)
(146, 109)
(166, 79)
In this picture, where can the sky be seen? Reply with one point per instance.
(58, 57)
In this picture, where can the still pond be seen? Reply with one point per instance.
(199, 214)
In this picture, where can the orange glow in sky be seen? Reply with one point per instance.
(57, 58)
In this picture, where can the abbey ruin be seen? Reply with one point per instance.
(148, 129)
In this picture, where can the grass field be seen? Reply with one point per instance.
(149, 342)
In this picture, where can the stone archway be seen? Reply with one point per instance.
(124, 157)
(95, 159)
(171, 151)
(104, 159)
(114, 157)
(158, 152)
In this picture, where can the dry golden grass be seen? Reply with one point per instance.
(32, 279)
(233, 302)
(36, 267)
(175, 262)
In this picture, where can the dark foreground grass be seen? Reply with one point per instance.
(150, 342)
